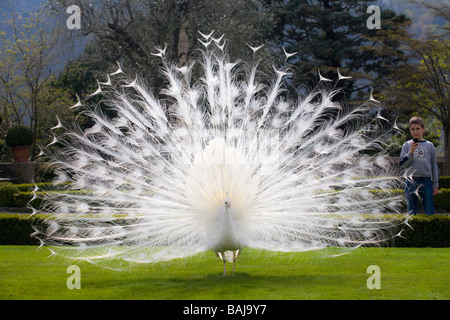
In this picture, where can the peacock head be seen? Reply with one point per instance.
(227, 202)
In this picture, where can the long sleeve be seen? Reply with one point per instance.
(405, 157)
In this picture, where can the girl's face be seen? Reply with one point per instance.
(416, 131)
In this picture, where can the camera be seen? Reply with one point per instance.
(415, 139)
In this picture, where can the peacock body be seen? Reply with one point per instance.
(221, 163)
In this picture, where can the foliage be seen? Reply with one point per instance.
(7, 193)
(17, 229)
(19, 135)
(128, 31)
(23, 194)
(55, 106)
(426, 231)
(442, 199)
(444, 182)
(326, 34)
(426, 14)
(420, 85)
(423, 231)
(29, 54)
(425, 84)
(330, 34)
(436, 8)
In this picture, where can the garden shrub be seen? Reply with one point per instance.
(16, 229)
(7, 192)
(444, 182)
(19, 135)
(424, 231)
(442, 200)
(24, 194)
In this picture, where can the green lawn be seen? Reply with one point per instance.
(405, 273)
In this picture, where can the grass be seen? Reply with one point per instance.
(406, 273)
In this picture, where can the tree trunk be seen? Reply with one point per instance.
(183, 40)
(34, 121)
(446, 169)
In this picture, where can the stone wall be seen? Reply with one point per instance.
(21, 172)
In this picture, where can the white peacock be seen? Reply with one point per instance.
(223, 163)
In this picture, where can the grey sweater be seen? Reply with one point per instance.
(423, 161)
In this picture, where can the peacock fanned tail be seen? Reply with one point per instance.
(149, 183)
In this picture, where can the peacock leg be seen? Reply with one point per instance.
(224, 267)
(235, 254)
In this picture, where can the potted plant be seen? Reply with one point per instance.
(19, 138)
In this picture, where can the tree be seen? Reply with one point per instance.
(129, 30)
(419, 83)
(422, 85)
(438, 9)
(331, 34)
(28, 55)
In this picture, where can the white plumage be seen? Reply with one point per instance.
(222, 163)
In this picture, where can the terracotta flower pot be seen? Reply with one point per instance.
(21, 153)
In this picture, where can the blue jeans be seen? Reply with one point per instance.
(425, 186)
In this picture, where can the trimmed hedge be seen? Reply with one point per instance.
(19, 135)
(442, 200)
(16, 229)
(444, 182)
(19, 195)
(434, 231)
(7, 193)
(22, 200)
(11, 196)
(425, 231)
